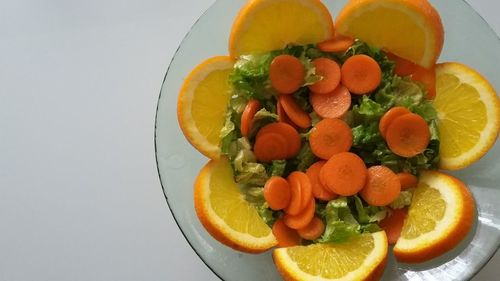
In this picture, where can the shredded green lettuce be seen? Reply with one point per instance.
(366, 114)
(346, 217)
(262, 118)
(403, 200)
(305, 158)
(255, 195)
(277, 168)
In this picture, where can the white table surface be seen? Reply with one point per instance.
(80, 197)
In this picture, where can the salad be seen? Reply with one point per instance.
(325, 142)
(351, 125)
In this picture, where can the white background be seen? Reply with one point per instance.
(80, 197)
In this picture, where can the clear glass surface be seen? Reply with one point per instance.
(469, 40)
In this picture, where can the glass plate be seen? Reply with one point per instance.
(469, 39)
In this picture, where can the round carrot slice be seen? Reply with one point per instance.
(281, 113)
(270, 146)
(407, 180)
(291, 135)
(329, 137)
(303, 218)
(408, 135)
(361, 74)
(332, 105)
(286, 74)
(344, 174)
(287, 237)
(306, 188)
(382, 186)
(319, 191)
(247, 117)
(294, 112)
(299, 181)
(313, 230)
(339, 43)
(390, 116)
(277, 193)
(393, 224)
(330, 71)
(295, 206)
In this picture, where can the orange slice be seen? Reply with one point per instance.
(224, 212)
(266, 25)
(469, 115)
(440, 216)
(411, 29)
(361, 258)
(202, 103)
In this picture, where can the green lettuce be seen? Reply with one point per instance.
(305, 158)
(403, 200)
(250, 77)
(245, 167)
(255, 195)
(346, 217)
(277, 168)
(368, 214)
(262, 118)
(366, 114)
(340, 223)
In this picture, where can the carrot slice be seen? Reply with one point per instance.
(247, 117)
(408, 135)
(393, 224)
(428, 78)
(402, 66)
(286, 74)
(288, 132)
(303, 218)
(306, 188)
(287, 237)
(319, 191)
(339, 43)
(294, 112)
(295, 206)
(270, 146)
(382, 186)
(332, 105)
(313, 230)
(407, 180)
(299, 183)
(344, 174)
(282, 117)
(330, 71)
(390, 116)
(329, 137)
(277, 193)
(361, 74)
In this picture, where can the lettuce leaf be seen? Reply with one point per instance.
(368, 214)
(255, 195)
(277, 168)
(340, 224)
(403, 200)
(346, 217)
(250, 78)
(262, 118)
(305, 158)
(366, 114)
